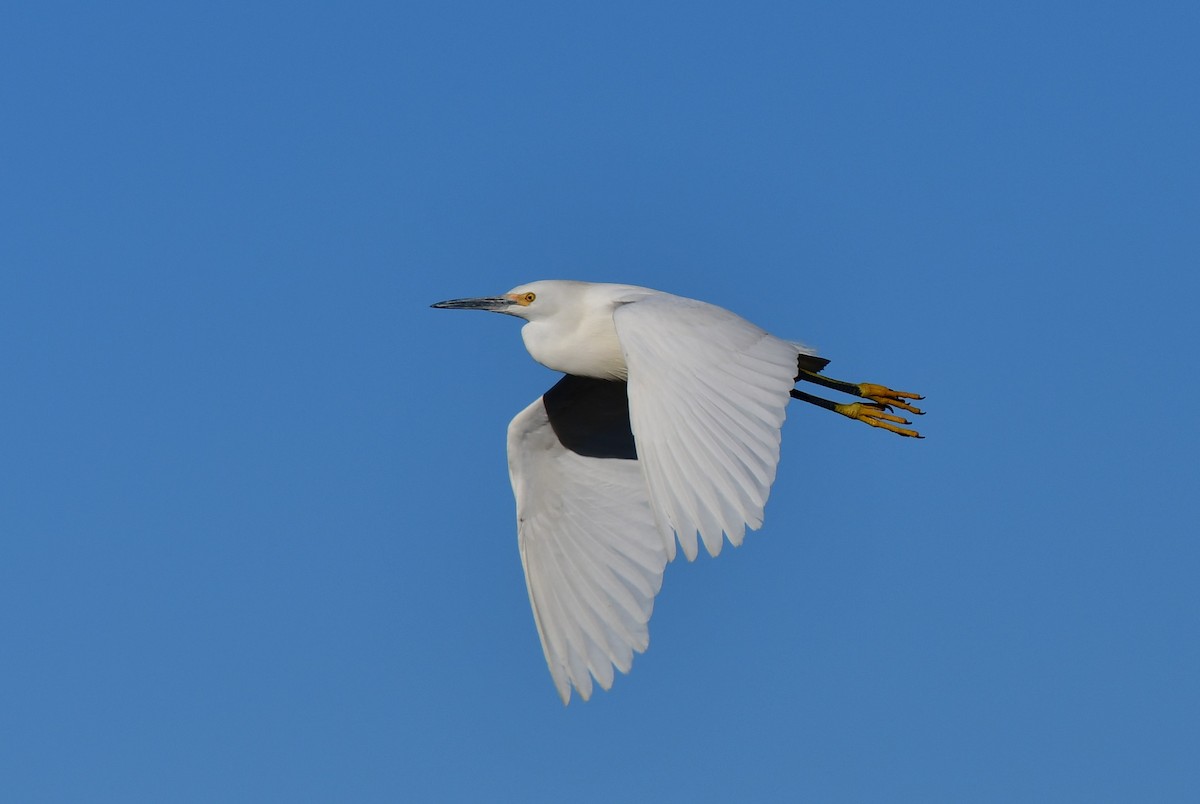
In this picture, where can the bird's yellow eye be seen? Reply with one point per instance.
(528, 298)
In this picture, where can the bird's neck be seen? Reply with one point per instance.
(588, 349)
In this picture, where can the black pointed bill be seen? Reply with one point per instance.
(496, 304)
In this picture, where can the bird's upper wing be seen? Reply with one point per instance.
(707, 393)
(592, 555)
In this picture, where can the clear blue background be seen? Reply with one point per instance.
(256, 535)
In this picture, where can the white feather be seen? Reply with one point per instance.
(707, 393)
(707, 397)
(592, 557)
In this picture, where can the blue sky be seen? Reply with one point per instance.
(256, 534)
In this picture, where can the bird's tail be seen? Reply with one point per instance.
(810, 363)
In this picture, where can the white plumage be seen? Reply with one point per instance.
(603, 490)
(592, 557)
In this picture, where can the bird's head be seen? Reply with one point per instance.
(568, 325)
(533, 301)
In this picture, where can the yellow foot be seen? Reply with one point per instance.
(876, 415)
(887, 398)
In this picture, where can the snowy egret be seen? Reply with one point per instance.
(666, 425)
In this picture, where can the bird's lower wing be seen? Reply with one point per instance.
(707, 394)
(592, 556)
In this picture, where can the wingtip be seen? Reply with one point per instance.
(714, 546)
(563, 688)
(691, 547)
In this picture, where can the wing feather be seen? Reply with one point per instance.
(592, 555)
(708, 393)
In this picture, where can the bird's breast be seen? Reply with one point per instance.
(585, 349)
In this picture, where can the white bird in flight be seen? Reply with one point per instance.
(666, 425)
